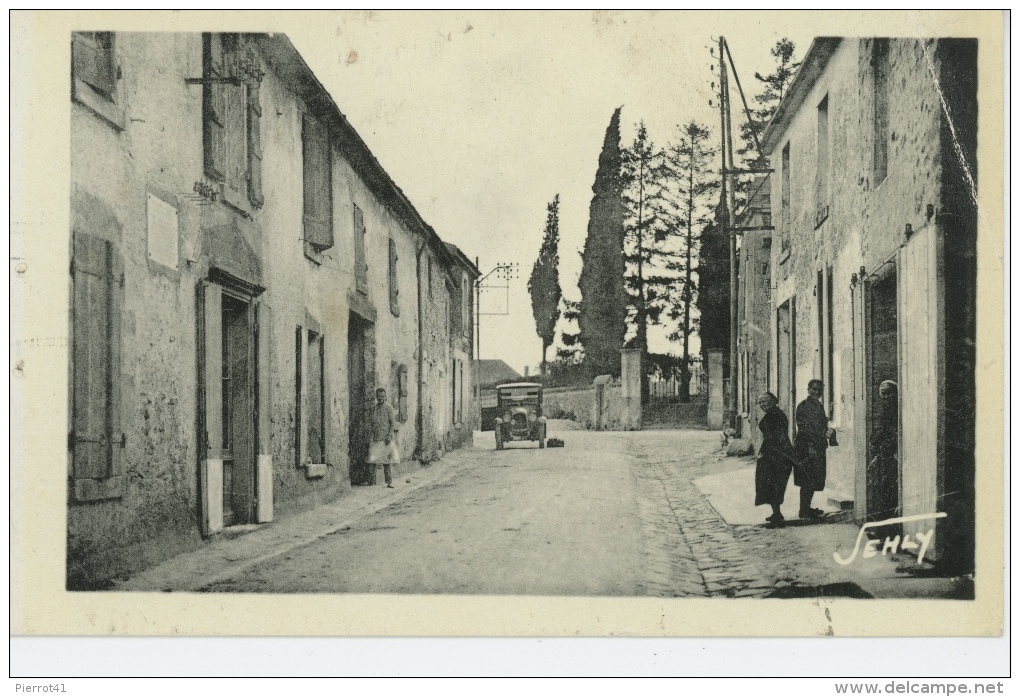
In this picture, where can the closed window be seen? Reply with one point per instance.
(95, 74)
(785, 201)
(465, 305)
(394, 281)
(95, 441)
(360, 258)
(822, 164)
(232, 113)
(318, 184)
(880, 107)
(402, 410)
(310, 398)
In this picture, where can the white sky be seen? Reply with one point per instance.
(482, 117)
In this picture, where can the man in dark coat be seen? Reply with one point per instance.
(809, 445)
(775, 458)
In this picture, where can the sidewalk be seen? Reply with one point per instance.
(239, 548)
(731, 494)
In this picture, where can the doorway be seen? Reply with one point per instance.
(357, 389)
(882, 485)
(238, 411)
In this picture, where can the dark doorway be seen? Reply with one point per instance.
(238, 411)
(882, 493)
(357, 377)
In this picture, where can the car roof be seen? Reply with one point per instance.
(518, 384)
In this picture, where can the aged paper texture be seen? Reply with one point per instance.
(40, 287)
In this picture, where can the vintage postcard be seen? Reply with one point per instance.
(507, 323)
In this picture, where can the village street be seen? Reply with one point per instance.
(610, 514)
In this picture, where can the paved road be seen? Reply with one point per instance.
(612, 514)
(559, 521)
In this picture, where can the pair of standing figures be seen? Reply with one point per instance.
(777, 456)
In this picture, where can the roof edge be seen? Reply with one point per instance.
(813, 64)
(362, 160)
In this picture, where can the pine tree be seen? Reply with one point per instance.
(544, 283)
(602, 317)
(688, 199)
(774, 86)
(644, 251)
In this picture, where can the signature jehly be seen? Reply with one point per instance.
(892, 544)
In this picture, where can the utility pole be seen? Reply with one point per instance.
(726, 200)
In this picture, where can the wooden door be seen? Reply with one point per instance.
(237, 411)
(228, 434)
(922, 374)
(358, 435)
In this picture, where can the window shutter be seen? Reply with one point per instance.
(394, 288)
(214, 107)
(318, 193)
(235, 116)
(360, 263)
(254, 146)
(93, 60)
(402, 393)
(96, 439)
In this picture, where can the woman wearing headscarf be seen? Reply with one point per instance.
(775, 458)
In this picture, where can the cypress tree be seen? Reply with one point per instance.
(602, 318)
(544, 283)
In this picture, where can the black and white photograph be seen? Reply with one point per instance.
(508, 314)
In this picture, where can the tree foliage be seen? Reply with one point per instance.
(646, 249)
(688, 199)
(773, 88)
(602, 314)
(544, 283)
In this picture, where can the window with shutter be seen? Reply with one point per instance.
(360, 262)
(214, 98)
(402, 392)
(231, 118)
(236, 115)
(94, 73)
(96, 441)
(92, 53)
(254, 147)
(394, 288)
(318, 188)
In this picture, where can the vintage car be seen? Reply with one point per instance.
(519, 413)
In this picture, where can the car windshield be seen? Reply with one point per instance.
(519, 396)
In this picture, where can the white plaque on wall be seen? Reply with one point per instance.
(162, 232)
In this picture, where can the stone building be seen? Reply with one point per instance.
(465, 390)
(754, 281)
(244, 274)
(873, 266)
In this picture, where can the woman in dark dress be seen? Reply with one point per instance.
(775, 458)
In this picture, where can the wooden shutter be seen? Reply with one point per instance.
(360, 262)
(235, 114)
(214, 108)
(394, 288)
(299, 394)
(402, 392)
(254, 146)
(96, 440)
(93, 60)
(318, 191)
(921, 375)
(211, 437)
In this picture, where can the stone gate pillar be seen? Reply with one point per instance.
(630, 379)
(715, 390)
